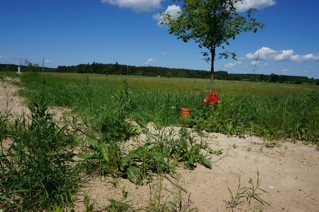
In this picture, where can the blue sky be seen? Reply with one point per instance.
(70, 32)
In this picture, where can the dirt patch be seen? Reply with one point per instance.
(15, 106)
(10, 103)
(289, 172)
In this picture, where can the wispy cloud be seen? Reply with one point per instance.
(149, 61)
(165, 54)
(256, 62)
(266, 53)
(285, 70)
(245, 5)
(4, 57)
(231, 65)
(136, 5)
(48, 61)
(172, 10)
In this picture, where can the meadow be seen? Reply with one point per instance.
(271, 110)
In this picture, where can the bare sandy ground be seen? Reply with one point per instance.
(288, 172)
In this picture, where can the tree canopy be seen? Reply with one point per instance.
(211, 24)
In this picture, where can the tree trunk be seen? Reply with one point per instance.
(212, 69)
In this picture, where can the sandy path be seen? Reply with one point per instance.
(289, 173)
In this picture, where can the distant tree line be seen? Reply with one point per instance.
(25, 68)
(118, 69)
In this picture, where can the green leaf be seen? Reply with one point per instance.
(104, 150)
(207, 163)
(125, 160)
(133, 174)
(88, 156)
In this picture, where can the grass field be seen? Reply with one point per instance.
(265, 109)
(223, 87)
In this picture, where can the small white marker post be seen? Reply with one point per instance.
(18, 69)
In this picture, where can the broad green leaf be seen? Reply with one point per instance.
(125, 160)
(133, 174)
(207, 163)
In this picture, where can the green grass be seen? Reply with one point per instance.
(270, 110)
(36, 169)
(185, 84)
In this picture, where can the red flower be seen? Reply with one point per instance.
(213, 98)
(206, 100)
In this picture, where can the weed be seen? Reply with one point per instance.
(120, 205)
(36, 170)
(163, 199)
(237, 197)
(246, 194)
(253, 191)
(89, 207)
(159, 154)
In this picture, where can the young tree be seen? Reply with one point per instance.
(211, 24)
(31, 66)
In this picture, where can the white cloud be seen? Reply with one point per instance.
(245, 5)
(305, 58)
(149, 61)
(136, 5)
(262, 54)
(288, 55)
(172, 10)
(266, 53)
(231, 65)
(285, 70)
(285, 55)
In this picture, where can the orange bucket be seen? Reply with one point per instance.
(185, 112)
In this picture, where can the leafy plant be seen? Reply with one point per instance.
(117, 206)
(159, 154)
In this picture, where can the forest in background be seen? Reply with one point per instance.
(153, 71)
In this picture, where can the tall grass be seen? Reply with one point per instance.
(36, 170)
(294, 117)
(269, 110)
